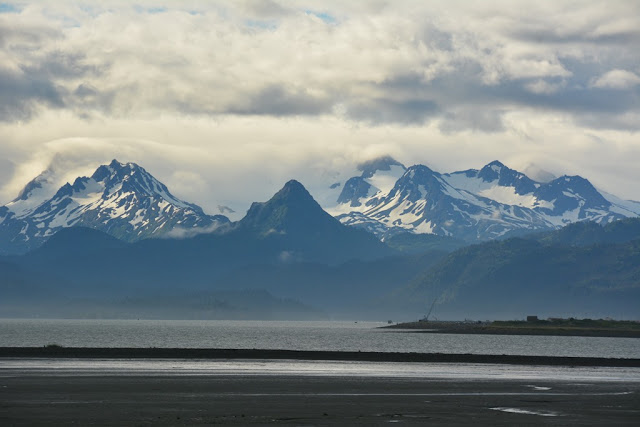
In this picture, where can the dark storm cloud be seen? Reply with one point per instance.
(464, 101)
(388, 110)
(22, 93)
(278, 100)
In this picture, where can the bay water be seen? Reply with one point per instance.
(295, 335)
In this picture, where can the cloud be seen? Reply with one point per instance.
(282, 101)
(186, 233)
(24, 93)
(119, 60)
(225, 101)
(617, 79)
(543, 87)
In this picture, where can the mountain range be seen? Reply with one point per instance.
(387, 198)
(472, 205)
(119, 244)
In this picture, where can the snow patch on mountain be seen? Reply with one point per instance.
(623, 207)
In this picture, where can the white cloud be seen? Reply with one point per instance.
(543, 87)
(617, 79)
(225, 101)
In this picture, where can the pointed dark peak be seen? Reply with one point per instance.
(295, 185)
(293, 190)
(384, 163)
(291, 208)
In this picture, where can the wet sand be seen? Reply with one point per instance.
(54, 398)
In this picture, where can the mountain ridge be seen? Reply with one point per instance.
(476, 205)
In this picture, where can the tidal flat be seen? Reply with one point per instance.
(94, 392)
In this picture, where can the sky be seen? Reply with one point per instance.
(224, 101)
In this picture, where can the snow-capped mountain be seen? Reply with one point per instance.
(123, 200)
(473, 205)
(377, 178)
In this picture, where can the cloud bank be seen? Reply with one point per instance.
(225, 101)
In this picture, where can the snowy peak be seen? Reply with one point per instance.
(492, 171)
(121, 199)
(416, 183)
(131, 178)
(378, 176)
(34, 185)
(570, 193)
(37, 191)
(356, 189)
(505, 177)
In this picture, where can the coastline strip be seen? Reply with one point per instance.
(209, 353)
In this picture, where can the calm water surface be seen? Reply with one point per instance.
(295, 335)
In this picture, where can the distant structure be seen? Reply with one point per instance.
(532, 318)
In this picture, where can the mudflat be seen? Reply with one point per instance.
(50, 398)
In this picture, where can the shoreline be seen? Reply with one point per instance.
(253, 354)
(446, 327)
